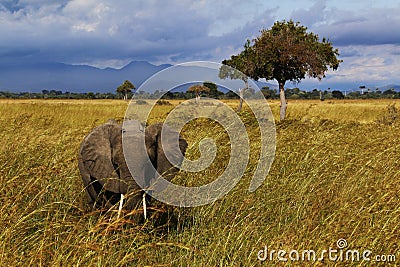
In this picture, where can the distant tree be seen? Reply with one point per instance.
(213, 89)
(157, 94)
(168, 95)
(327, 94)
(125, 88)
(90, 95)
(109, 95)
(231, 95)
(337, 94)
(289, 92)
(286, 52)
(315, 93)
(296, 90)
(390, 92)
(355, 94)
(198, 89)
(362, 88)
(268, 93)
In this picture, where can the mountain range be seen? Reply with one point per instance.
(34, 77)
(73, 78)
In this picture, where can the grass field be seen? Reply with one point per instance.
(335, 175)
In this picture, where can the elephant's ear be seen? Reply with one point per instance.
(95, 157)
(165, 142)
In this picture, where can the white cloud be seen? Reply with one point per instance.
(364, 65)
(373, 63)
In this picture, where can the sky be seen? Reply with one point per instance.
(109, 33)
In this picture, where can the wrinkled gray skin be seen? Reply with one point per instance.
(104, 170)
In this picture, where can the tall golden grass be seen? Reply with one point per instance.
(336, 175)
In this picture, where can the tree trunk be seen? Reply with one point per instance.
(321, 96)
(283, 100)
(240, 100)
(241, 94)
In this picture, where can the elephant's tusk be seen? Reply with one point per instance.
(121, 201)
(144, 206)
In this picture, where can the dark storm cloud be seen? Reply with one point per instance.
(312, 15)
(95, 31)
(89, 30)
(365, 31)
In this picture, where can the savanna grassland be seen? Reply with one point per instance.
(335, 175)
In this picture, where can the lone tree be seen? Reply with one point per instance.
(198, 89)
(125, 88)
(286, 52)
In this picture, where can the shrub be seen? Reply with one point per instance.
(141, 102)
(163, 102)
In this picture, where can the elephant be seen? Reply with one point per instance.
(104, 169)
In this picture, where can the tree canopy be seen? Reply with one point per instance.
(286, 52)
(213, 89)
(125, 88)
(198, 89)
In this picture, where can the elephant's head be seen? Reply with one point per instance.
(103, 160)
(158, 146)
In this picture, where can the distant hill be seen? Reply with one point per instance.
(390, 86)
(72, 78)
(34, 77)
